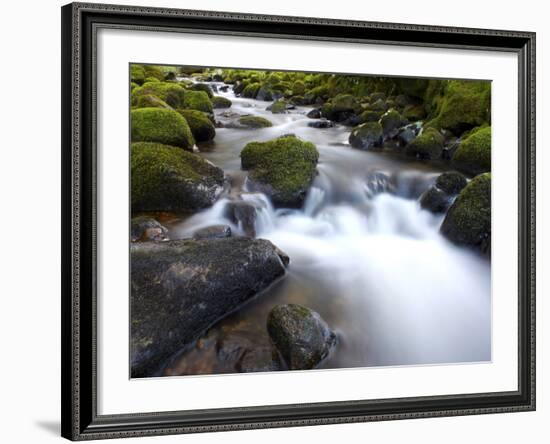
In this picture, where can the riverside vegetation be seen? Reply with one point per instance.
(291, 220)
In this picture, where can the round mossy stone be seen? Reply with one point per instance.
(221, 102)
(161, 125)
(197, 100)
(428, 145)
(473, 155)
(201, 126)
(255, 122)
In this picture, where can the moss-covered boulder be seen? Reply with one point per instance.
(254, 122)
(391, 121)
(171, 93)
(282, 168)
(278, 107)
(435, 200)
(202, 87)
(463, 105)
(150, 101)
(414, 113)
(473, 155)
(151, 80)
(298, 88)
(197, 100)
(428, 145)
(451, 182)
(370, 116)
(154, 71)
(367, 136)
(161, 125)
(251, 90)
(167, 178)
(221, 102)
(137, 74)
(468, 221)
(201, 126)
(340, 108)
(302, 337)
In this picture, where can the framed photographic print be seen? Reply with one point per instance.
(280, 221)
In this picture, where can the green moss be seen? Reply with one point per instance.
(137, 74)
(133, 85)
(151, 80)
(413, 87)
(161, 125)
(297, 100)
(298, 88)
(154, 71)
(342, 103)
(202, 128)
(172, 93)
(255, 122)
(390, 121)
(367, 136)
(221, 102)
(464, 104)
(473, 155)
(317, 93)
(284, 168)
(150, 101)
(468, 221)
(202, 87)
(370, 116)
(197, 100)
(451, 182)
(166, 178)
(414, 113)
(279, 107)
(428, 145)
(251, 90)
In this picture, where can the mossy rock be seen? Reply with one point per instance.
(468, 221)
(473, 155)
(151, 101)
(451, 182)
(167, 178)
(255, 122)
(171, 93)
(391, 121)
(414, 113)
(201, 126)
(202, 87)
(317, 94)
(370, 116)
(297, 100)
(160, 125)
(221, 102)
(279, 107)
(133, 85)
(137, 74)
(282, 168)
(251, 90)
(154, 71)
(151, 80)
(428, 145)
(367, 136)
(339, 108)
(413, 87)
(197, 100)
(464, 105)
(145, 228)
(298, 88)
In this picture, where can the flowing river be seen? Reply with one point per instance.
(363, 254)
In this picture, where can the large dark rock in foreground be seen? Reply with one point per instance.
(468, 221)
(302, 337)
(180, 288)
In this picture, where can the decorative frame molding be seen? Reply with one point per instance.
(80, 21)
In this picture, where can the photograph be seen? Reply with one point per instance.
(288, 220)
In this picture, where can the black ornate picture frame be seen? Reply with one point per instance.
(80, 420)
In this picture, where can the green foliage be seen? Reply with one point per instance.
(468, 221)
(255, 122)
(197, 100)
(221, 102)
(160, 125)
(298, 88)
(167, 178)
(463, 105)
(342, 103)
(428, 145)
(473, 155)
(202, 128)
(171, 93)
(285, 166)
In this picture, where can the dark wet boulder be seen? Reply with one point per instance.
(428, 145)
(321, 123)
(391, 121)
(370, 116)
(221, 102)
(473, 155)
(254, 122)
(378, 105)
(315, 113)
(224, 88)
(468, 221)
(367, 136)
(414, 113)
(161, 125)
(435, 200)
(340, 108)
(201, 126)
(242, 214)
(202, 87)
(213, 232)
(282, 168)
(406, 136)
(167, 178)
(145, 228)
(181, 288)
(451, 182)
(302, 337)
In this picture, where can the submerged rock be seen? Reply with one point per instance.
(315, 113)
(468, 221)
(213, 232)
(302, 337)
(242, 214)
(180, 288)
(144, 228)
(321, 123)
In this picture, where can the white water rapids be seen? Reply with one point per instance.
(363, 253)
